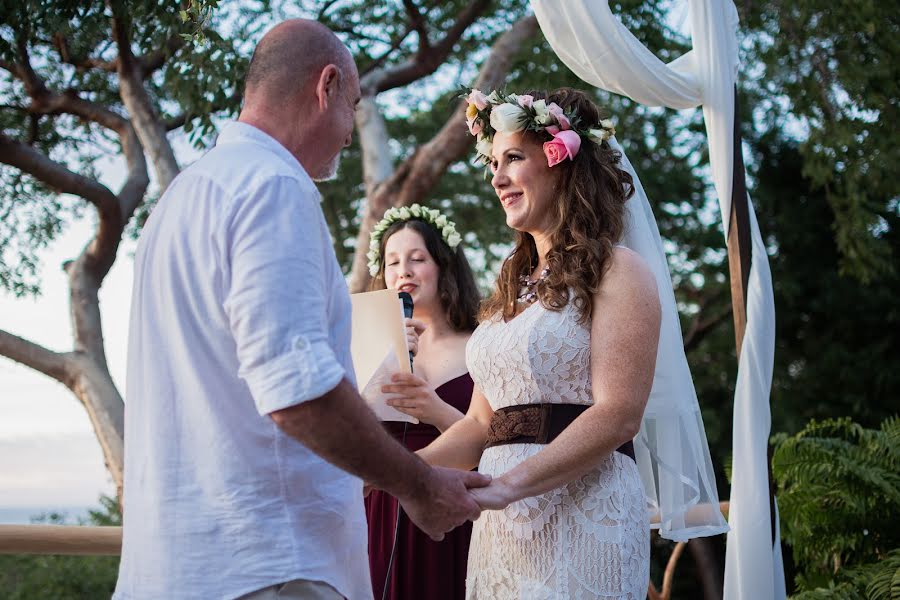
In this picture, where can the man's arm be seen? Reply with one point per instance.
(340, 428)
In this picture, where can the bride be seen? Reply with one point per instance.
(583, 408)
(563, 363)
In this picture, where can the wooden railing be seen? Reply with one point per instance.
(665, 593)
(84, 540)
(60, 539)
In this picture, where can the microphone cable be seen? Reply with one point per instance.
(390, 565)
(407, 302)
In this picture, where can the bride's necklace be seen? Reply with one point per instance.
(528, 286)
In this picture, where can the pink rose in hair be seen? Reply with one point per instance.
(565, 144)
(525, 100)
(559, 115)
(478, 99)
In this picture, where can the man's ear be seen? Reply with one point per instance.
(327, 86)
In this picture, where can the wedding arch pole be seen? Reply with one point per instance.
(600, 50)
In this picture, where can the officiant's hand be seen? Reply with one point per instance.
(414, 396)
(414, 329)
(444, 501)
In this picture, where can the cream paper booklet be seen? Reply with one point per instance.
(379, 348)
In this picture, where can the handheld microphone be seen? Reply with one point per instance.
(407, 301)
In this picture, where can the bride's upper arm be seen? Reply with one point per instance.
(479, 408)
(625, 335)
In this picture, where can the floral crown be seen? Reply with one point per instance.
(509, 113)
(432, 216)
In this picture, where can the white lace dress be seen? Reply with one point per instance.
(588, 539)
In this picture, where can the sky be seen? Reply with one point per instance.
(49, 456)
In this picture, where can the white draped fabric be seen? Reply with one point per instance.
(592, 42)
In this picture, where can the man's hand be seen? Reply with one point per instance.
(444, 501)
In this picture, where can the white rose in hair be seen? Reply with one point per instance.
(441, 221)
(508, 118)
(405, 214)
(485, 147)
(542, 116)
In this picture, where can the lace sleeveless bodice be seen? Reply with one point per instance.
(588, 539)
(540, 356)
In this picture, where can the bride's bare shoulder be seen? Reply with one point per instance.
(628, 281)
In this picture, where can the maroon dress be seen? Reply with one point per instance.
(422, 568)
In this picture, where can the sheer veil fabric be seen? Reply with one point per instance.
(671, 448)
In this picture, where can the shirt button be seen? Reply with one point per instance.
(301, 344)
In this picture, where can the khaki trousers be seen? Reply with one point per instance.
(299, 589)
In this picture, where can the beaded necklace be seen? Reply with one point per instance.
(528, 286)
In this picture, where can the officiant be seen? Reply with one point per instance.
(417, 250)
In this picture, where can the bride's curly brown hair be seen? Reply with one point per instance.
(588, 219)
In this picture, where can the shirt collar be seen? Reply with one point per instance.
(236, 131)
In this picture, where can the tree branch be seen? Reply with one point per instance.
(146, 122)
(417, 22)
(114, 211)
(84, 63)
(34, 85)
(324, 9)
(43, 101)
(427, 59)
(376, 62)
(58, 176)
(180, 120)
(156, 59)
(700, 327)
(149, 62)
(50, 363)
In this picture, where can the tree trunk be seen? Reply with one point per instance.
(94, 387)
(709, 569)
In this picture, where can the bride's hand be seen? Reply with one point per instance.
(497, 495)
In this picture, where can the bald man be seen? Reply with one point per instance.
(245, 437)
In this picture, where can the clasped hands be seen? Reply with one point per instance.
(450, 497)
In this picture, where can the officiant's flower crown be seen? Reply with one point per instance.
(509, 113)
(432, 216)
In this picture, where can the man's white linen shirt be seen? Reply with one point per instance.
(239, 308)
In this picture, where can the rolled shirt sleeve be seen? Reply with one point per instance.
(275, 297)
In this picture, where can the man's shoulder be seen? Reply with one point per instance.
(246, 163)
(235, 174)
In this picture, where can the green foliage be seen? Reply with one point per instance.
(826, 322)
(830, 69)
(26, 577)
(839, 499)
